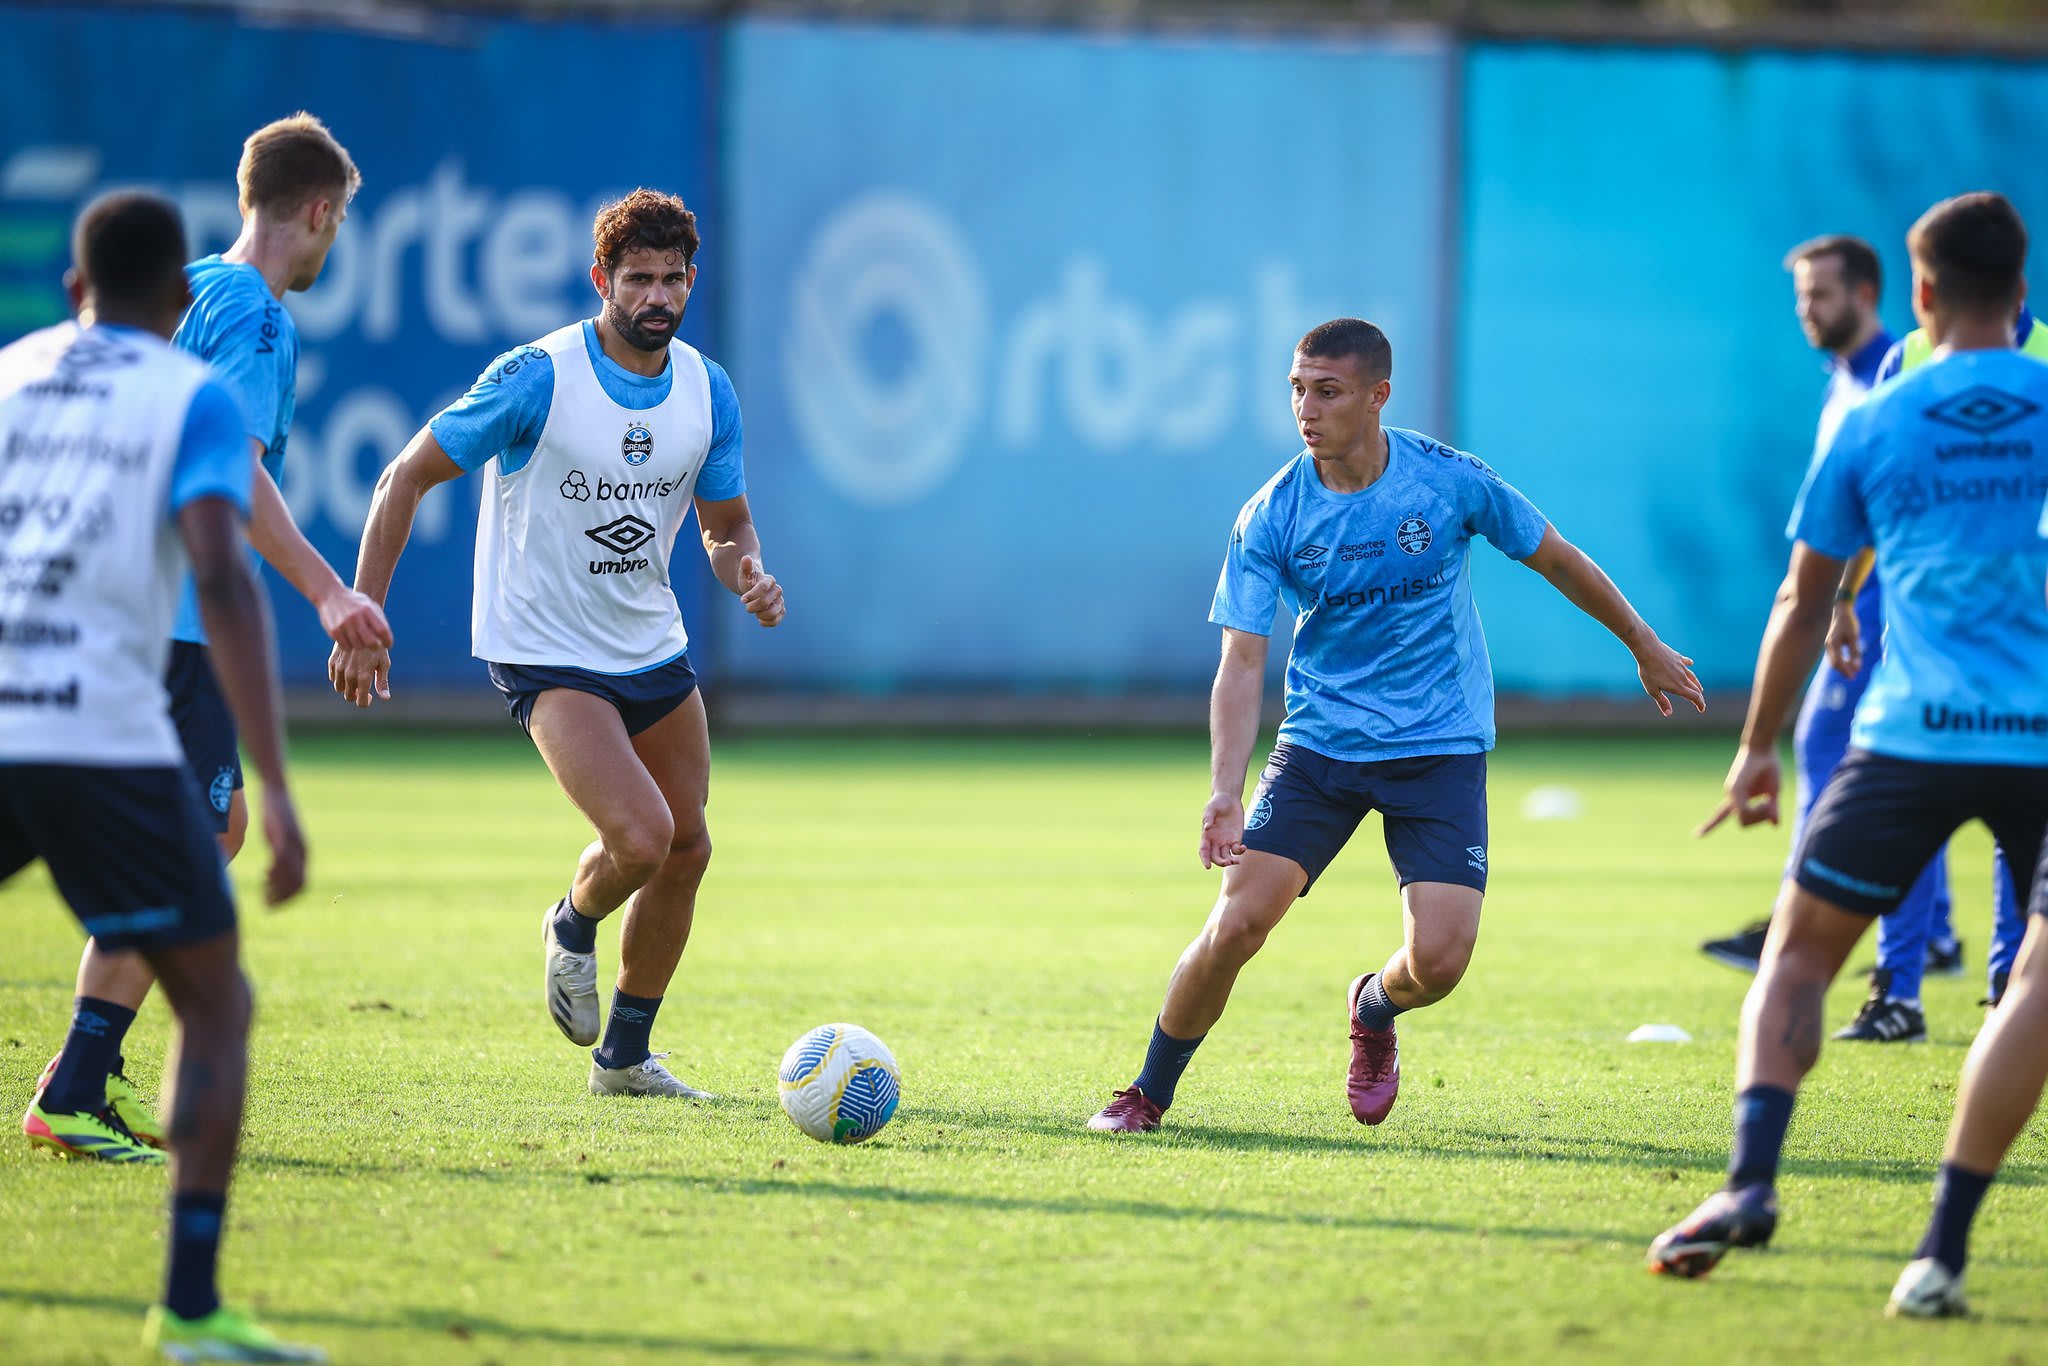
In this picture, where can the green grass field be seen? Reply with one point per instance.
(425, 1180)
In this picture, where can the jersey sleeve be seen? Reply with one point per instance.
(1499, 511)
(1248, 589)
(503, 413)
(1894, 361)
(254, 369)
(213, 459)
(1830, 515)
(725, 473)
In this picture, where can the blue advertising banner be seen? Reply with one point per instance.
(1012, 315)
(1627, 349)
(485, 147)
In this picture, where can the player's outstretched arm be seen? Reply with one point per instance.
(237, 622)
(348, 617)
(1665, 672)
(1233, 729)
(734, 549)
(1792, 646)
(364, 675)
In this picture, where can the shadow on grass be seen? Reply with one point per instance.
(1454, 1144)
(465, 1325)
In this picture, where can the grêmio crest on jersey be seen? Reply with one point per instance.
(638, 444)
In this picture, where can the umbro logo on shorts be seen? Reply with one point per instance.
(1477, 857)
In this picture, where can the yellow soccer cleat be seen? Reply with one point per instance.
(134, 1114)
(97, 1135)
(224, 1335)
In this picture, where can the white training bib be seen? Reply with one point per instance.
(90, 561)
(572, 549)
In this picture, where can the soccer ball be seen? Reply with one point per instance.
(839, 1084)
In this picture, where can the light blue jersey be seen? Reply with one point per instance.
(1944, 470)
(506, 410)
(238, 327)
(1388, 660)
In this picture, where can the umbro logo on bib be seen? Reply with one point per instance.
(638, 445)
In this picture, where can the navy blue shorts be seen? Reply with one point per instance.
(131, 850)
(1433, 807)
(206, 729)
(1880, 819)
(642, 699)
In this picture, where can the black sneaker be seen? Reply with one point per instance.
(1883, 1020)
(1945, 962)
(1999, 981)
(1742, 950)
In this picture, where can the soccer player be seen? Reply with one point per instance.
(294, 183)
(129, 456)
(1954, 726)
(1904, 939)
(1837, 281)
(594, 442)
(1366, 536)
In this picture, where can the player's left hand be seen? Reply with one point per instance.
(1751, 790)
(760, 593)
(1665, 673)
(354, 619)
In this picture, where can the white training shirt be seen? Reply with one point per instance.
(105, 433)
(574, 535)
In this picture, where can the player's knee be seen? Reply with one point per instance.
(690, 847)
(1235, 938)
(1440, 966)
(639, 850)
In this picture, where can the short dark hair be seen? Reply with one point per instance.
(644, 218)
(1974, 249)
(288, 163)
(1860, 263)
(129, 245)
(1342, 338)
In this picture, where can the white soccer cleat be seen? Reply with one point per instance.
(647, 1078)
(571, 986)
(1926, 1290)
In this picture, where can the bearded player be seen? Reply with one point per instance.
(594, 443)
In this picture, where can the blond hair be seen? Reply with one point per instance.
(288, 163)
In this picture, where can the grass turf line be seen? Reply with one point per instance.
(425, 1180)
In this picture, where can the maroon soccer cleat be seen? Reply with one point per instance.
(1132, 1112)
(1375, 1076)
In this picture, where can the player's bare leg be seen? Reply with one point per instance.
(585, 745)
(1440, 926)
(88, 1072)
(1257, 891)
(1781, 1035)
(2001, 1086)
(677, 753)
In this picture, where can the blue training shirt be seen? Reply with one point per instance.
(238, 327)
(506, 410)
(1938, 469)
(1388, 659)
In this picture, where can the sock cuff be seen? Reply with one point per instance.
(621, 998)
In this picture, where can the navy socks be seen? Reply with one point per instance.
(91, 1050)
(1165, 1059)
(574, 930)
(1376, 1009)
(626, 1032)
(1957, 1193)
(195, 1251)
(1762, 1114)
